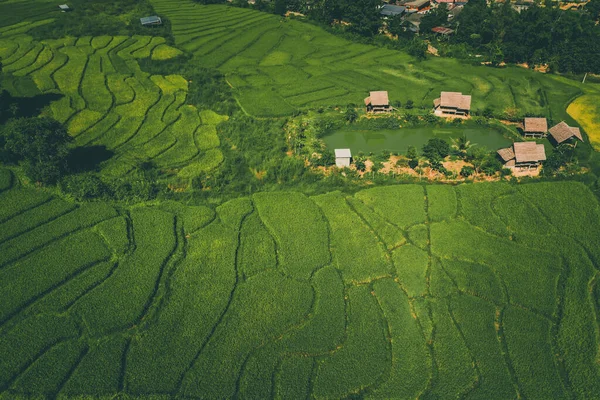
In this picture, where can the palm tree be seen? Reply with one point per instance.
(461, 144)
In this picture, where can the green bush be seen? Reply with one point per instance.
(436, 149)
(467, 171)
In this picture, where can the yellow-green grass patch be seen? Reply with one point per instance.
(165, 52)
(586, 111)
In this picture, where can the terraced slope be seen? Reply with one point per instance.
(486, 291)
(278, 65)
(108, 101)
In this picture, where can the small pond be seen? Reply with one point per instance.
(398, 140)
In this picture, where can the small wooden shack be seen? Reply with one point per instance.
(342, 157)
(153, 20)
(378, 102)
(523, 155)
(535, 127)
(452, 104)
(64, 7)
(562, 132)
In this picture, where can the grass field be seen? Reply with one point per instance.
(586, 111)
(336, 299)
(278, 65)
(108, 101)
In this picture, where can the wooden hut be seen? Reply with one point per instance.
(535, 127)
(523, 155)
(562, 132)
(378, 102)
(452, 104)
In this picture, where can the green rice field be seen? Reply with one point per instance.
(478, 291)
(279, 65)
(400, 139)
(106, 100)
(474, 291)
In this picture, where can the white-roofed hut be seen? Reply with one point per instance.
(343, 157)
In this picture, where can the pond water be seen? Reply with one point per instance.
(398, 140)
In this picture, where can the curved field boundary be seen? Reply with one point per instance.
(586, 111)
(204, 29)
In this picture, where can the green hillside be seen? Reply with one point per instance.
(277, 66)
(485, 291)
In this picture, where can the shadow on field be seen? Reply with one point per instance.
(88, 158)
(19, 107)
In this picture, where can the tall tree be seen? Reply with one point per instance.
(364, 16)
(437, 17)
(41, 143)
(279, 8)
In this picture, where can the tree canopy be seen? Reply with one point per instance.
(568, 40)
(41, 144)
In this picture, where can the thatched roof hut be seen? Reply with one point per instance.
(561, 132)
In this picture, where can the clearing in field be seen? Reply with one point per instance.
(487, 291)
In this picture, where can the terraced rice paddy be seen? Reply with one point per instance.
(277, 66)
(482, 291)
(108, 101)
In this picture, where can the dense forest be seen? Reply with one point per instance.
(569, 41)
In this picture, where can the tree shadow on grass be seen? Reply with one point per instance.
(88, 158)
(21, 107)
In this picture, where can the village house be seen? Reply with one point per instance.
(523, 155)
(390, 11)
(378, 102)
(562, 132)
(153, 20)
(452, 104)
(342, 157)
(535, 127)
(441, 30)
(419, 6)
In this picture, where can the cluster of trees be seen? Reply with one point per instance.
(140, 185)
(41, 145)
(207, 88)
(100, 17)
(567, 40)
(436, 149)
